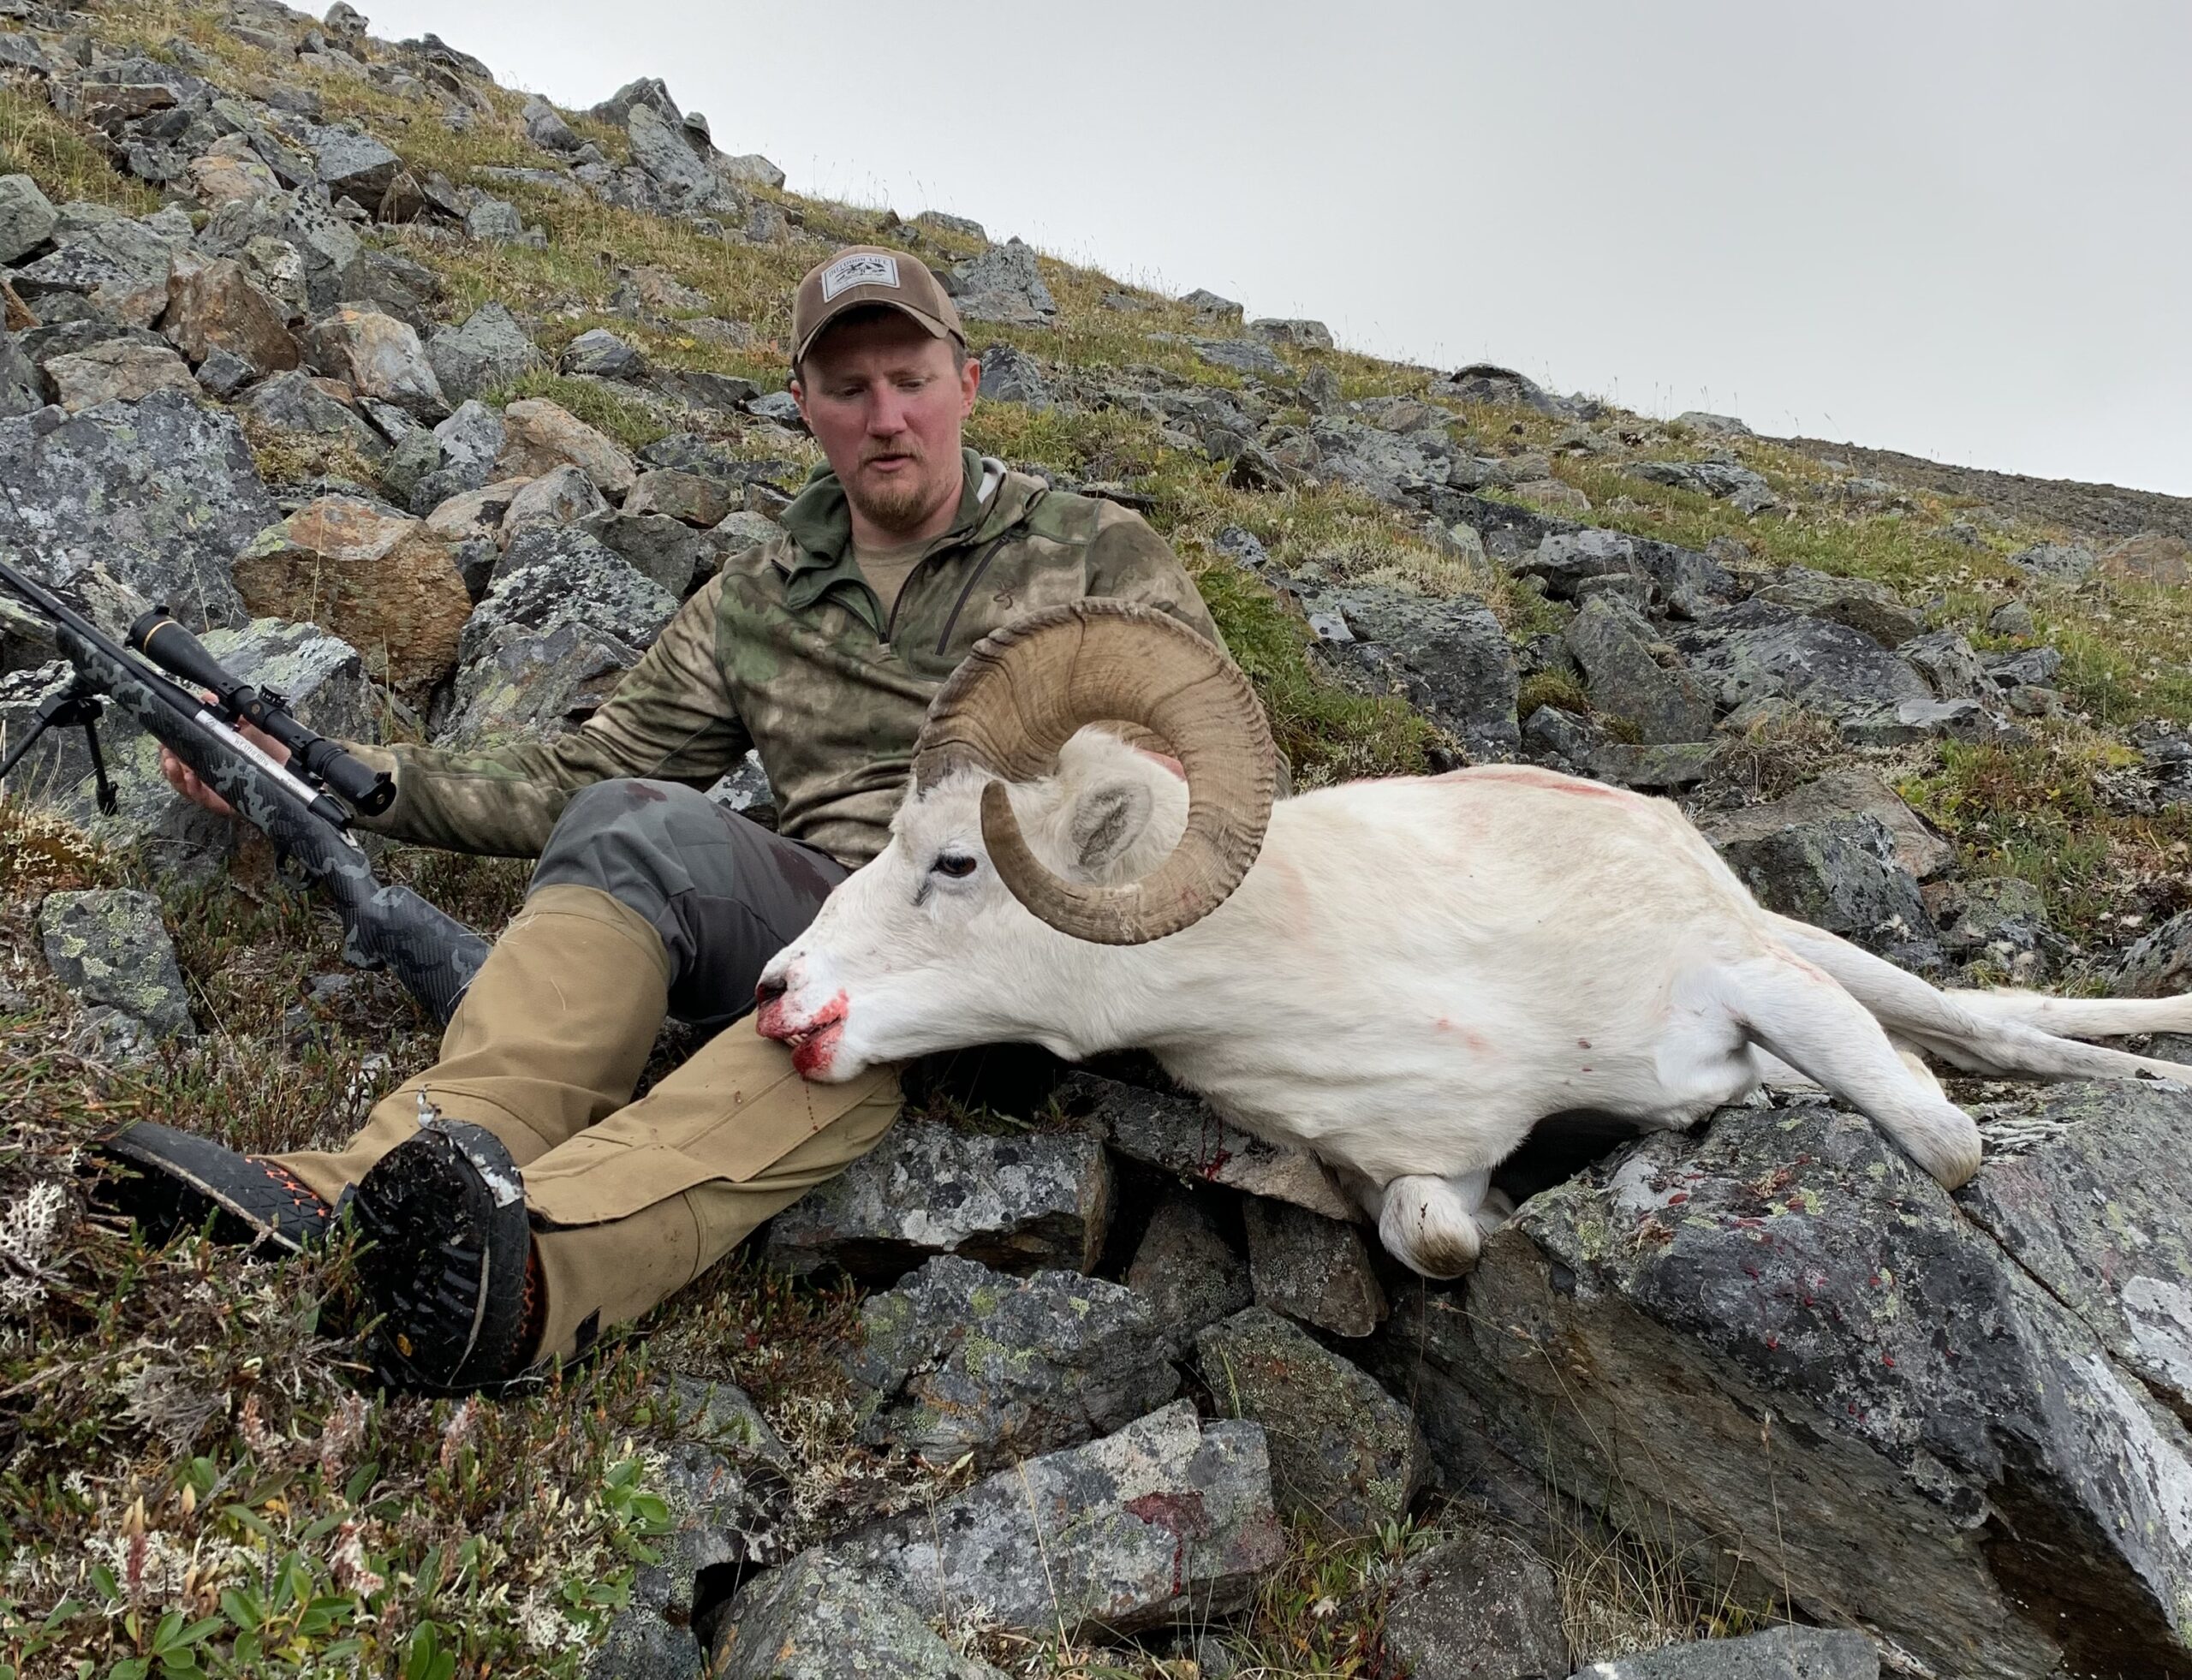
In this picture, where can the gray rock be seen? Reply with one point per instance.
(1689, 584)
(724, 393)
(779, 406)
(1313, 1268)
(1612, 643)
(110, 946)
(1759, 650)
(1182, 1137)
(666, 551)
(965, 226)
(745, 790)
(562, 496)
(1480, 1606)
(545, 128)
(223, 373)
(819, 1618)
(27, 218)
(1723, 480)
(489, 349)
(378, 356)
(2160, 964)
(22, 390)
(353, 165)
(1014, 376)
(1839, 873)
(1912, 720)
(1859, 603)
(1949, 664)
(750, 168)
(1344, 1452)
(2059, 562)
(494, 220)
(296, 401)
(601, 353)
(1017, 1203)
(468, 443)
(1164, 1520)
(120, 265)
(959, 1359)
(1779, 1654)
(1482, 382)
(1243, 355)
(1781, 1335)
(1299, 334)
(660, 149)
(2013, 618)
(1448, 658)
(1550, 732)
(1998, 922)
(1204, 301)
(2033, 666)
(20, 52)
(1849, 791)
(1187, 1271)
(1002, 284)
(162, 493)
(1713, 425)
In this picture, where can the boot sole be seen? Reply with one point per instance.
(444, 1215)
(181, 1178)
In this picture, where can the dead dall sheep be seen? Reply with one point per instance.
(1402, 976)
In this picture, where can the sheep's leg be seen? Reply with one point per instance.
(1801, 1015)
(1437, 1227)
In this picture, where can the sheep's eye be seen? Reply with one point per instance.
(955, 866)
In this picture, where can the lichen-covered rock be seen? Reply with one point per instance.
(27, 218)
(1448, 658)
(1187, 1271)
(162, 493)
(110, 946)
(1759, 650)
(1313, 1268)
(299, 403)
(1480, 1606)
(560, 496)
(599, 354)
(1003, 284)
(1838, 873)
(1778, 1653)
(1017, 1203)
(1872, 608)
(489, 349)
(1850, 791)
(1164, 1520)
(539, 436)
(376, 356)
(1612, 642)
(1781, 1343)
(817, 1619)
(378, 579)
(959, 1359)
(691, 498)
(1343, 1450)
(2160, 964)
(117, 370)
(1181, 1136)
(665, 550)
(215, 305)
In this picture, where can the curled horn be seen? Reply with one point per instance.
(1024, 690)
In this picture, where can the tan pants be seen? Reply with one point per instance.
(630, 1201)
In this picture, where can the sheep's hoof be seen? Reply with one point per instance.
(1428, 1228)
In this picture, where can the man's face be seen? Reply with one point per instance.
(885, 400)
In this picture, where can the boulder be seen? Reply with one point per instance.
(1761, 650)
(1166, 1521)
(22, 386)
(750, 168)
(1480, 1606)
(1949, 664)
(1778, 1653)
(1589, 749)
(1017, 1203)
(1838, 873)
(1180, 1135)
(661, 150)
(545, 128)
(1722, 479)
(229, 172)
(1858, 602)
(1612, 642)
(1311, 1268)
(162, 493)
(215, 305)
(1344, 1452)
(1243, 355)
(1002, 284)
(27, 218)
(600, 354)
(959, 1359)
(1849, 791)
(819, 1618)
(1298, 334)
(378, 579)
(1206, 303)
(1448, 658)
(1010, 375)
(1482, 382)
(353, 165)
(689, 498)
(2151, 557)
(562, 496)
(1787, 1348)
(539, 436)
(120, 266)
(2160, 964)
(475, 513)
(111, 948)
(667, 550)
(289, 231)
(376, 356)
(1713, 425)
(1688, 584)
(119, 372)
(489, 349)
(297, 401)
(1187, 1271)
(2057, 563)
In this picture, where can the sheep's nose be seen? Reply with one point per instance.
(768, 990)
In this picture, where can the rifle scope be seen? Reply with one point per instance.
(182, 655)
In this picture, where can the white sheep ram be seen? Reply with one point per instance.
(1402, 976)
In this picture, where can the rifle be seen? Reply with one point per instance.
(304, 807)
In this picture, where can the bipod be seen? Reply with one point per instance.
(77, 704)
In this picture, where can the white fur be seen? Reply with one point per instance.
(1414, 973)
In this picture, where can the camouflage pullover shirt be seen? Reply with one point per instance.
(788, 651)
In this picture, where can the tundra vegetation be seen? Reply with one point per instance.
(191, 1479)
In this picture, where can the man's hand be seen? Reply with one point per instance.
(184, 780)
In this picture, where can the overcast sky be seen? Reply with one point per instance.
(1962, 231)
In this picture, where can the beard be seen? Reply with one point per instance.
(899, 503)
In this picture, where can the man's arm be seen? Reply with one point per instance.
(671, 717)
(1130, 562)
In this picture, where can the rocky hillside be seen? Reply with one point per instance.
(429, 402)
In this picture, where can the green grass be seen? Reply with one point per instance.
(625, 418)
(64, 157)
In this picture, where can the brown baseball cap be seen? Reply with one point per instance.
(861, 277)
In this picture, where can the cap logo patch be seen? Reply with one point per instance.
(863, 268)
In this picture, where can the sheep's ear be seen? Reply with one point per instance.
(1107, 820)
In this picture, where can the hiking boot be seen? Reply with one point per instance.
(448, 1264)
(179, 1181)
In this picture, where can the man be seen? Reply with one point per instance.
(517, 1199)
